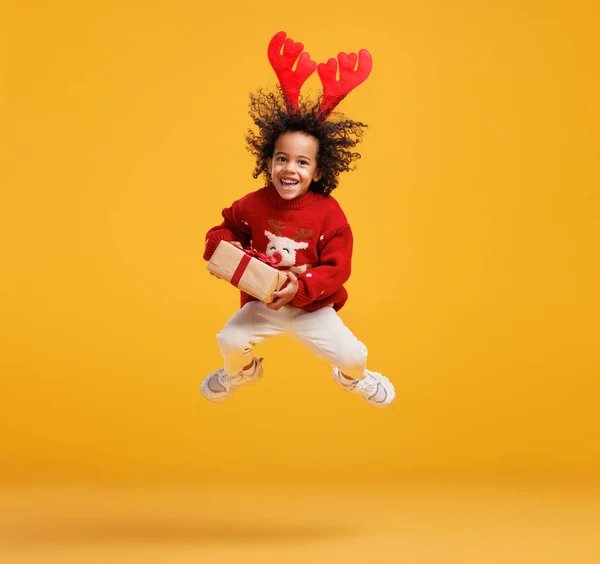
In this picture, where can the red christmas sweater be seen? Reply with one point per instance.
(311, 233)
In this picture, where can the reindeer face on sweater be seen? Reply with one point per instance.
(285, 246)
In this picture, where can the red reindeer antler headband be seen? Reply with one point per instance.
(334, 91)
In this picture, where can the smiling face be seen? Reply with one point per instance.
(294, 164)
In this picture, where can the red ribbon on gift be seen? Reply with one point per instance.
(248, 255)
(273, 260)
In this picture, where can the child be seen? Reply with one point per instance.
(301, 154)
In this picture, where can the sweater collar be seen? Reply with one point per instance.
(296, 204)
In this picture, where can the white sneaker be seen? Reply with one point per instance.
(374, 388)
(218, 386)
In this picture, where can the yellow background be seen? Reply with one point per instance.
(475, 211)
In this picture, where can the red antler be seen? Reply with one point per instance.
(335, 91)
(291, 81)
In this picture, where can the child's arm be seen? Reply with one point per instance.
(231, 229)
(334, 269)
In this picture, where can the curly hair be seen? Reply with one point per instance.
(337, 136)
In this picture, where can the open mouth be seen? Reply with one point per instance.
(287, 183)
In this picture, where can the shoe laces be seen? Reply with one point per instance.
(224, 377)
(368, 386)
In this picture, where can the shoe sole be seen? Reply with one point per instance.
(227, 395)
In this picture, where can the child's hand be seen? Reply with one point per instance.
(286, 294)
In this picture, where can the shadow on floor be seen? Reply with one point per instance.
(92, 531)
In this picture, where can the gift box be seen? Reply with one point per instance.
(248, 270)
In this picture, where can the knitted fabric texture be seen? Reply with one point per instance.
(311, 233)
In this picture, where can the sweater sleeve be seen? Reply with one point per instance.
(332, 271)
(231, 229)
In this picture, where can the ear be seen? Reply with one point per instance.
(317, 175)
(269, 164)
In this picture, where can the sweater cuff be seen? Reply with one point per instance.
(212, 242)
(301, 298)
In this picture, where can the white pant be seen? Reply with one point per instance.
(322, 331)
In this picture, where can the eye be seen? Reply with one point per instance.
(280, 159)
(302, 162)
(287, 251)
(272, 249)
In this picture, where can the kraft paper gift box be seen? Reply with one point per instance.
(246, 272)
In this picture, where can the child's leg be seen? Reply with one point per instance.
(325, 334)
(252, 324)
